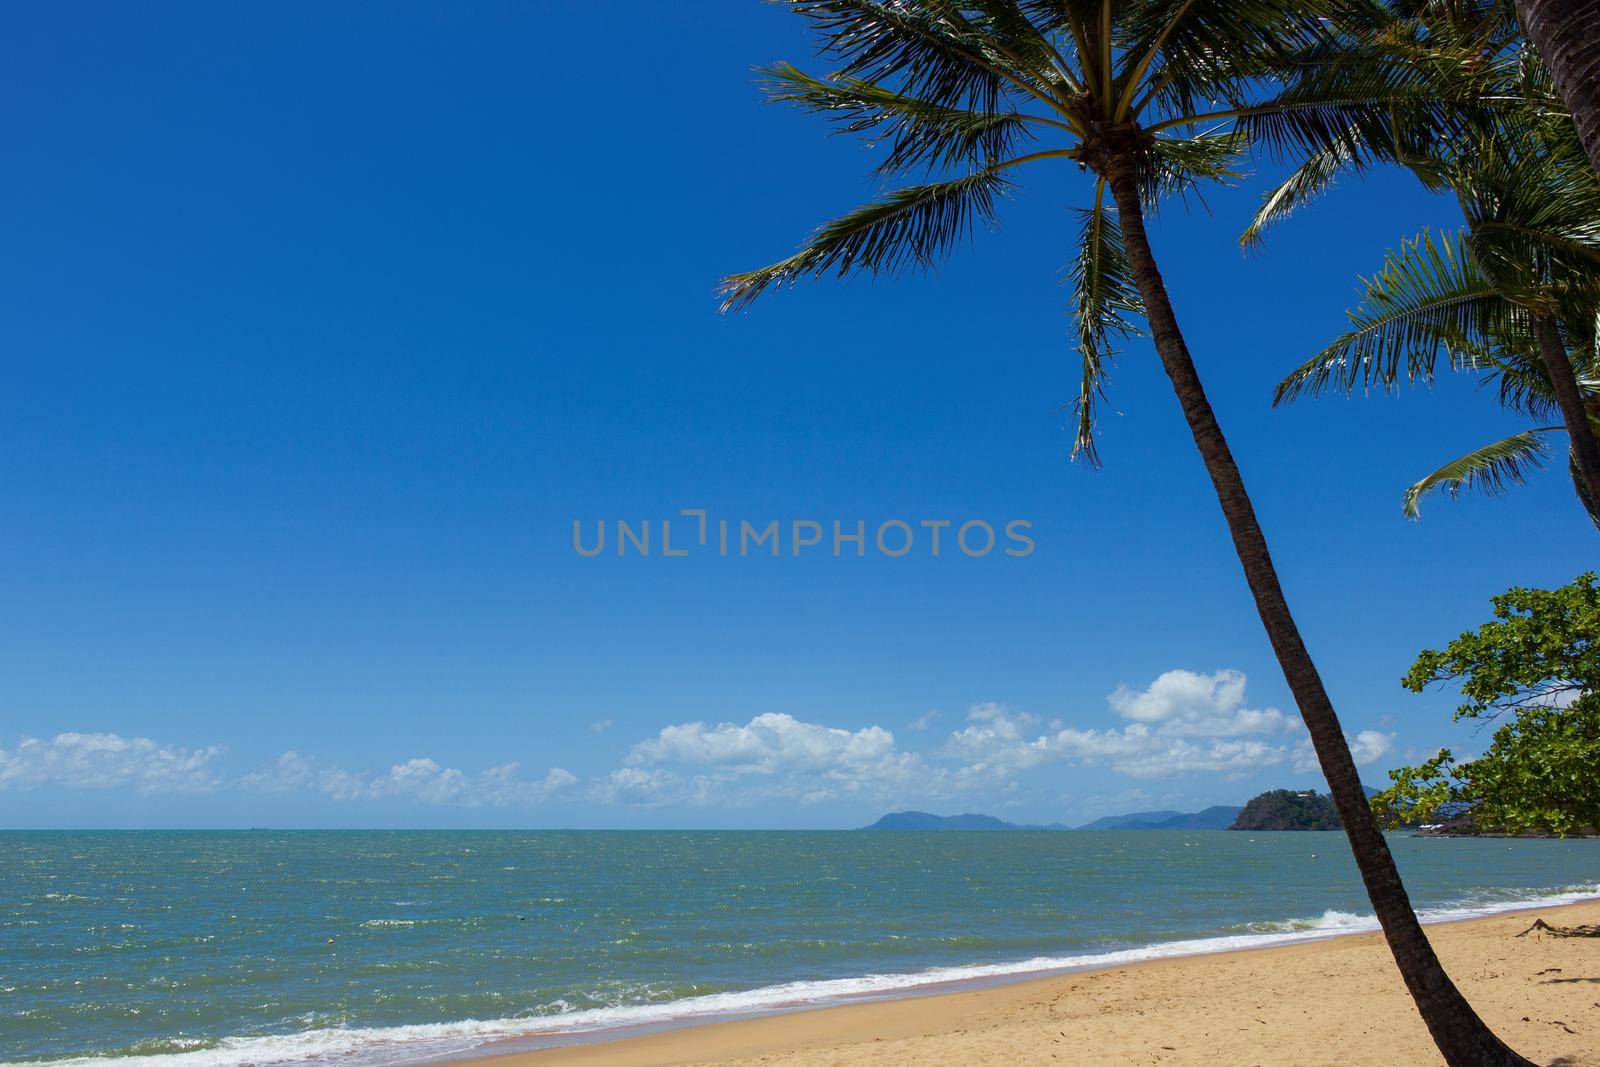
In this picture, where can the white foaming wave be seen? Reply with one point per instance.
(1331, 923)
(383, 1046)
(1328, 923)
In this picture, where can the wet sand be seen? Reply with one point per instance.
(1337, 1001)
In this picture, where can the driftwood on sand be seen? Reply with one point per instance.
(1583, 930)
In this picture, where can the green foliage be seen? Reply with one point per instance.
(1286, 809)
(1540, 647)
(1538, 776)
(1537, 662)
(913, 226)
(1421, 794)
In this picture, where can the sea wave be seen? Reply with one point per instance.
(383, 1046)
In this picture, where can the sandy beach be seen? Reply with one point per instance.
(1338, 1001)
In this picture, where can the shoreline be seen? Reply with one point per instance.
(784, 1014)
(1316, 975)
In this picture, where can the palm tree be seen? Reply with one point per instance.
(1511, 158)
(1567, 35)
(1533, 231)
(1151, 97)
(1429, 301)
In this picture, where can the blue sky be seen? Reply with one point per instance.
(321, 327)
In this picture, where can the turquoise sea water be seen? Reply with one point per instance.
(212, 949)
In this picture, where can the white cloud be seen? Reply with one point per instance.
(1140, 752)
(1370, 746)
(926, 721)
(653, 787)
(104, 761)
(1185, 704)
(421, 780)
(767, 744)
(995, 745)
(600, 726)
(1367, 747)
(990, 727)
(774, 755)
(1182, 723)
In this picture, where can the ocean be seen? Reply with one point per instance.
(217, 949)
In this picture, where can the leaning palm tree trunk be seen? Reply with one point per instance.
(1585, 448)
(1134, 90)
(1567, 35)
(1460, 1035)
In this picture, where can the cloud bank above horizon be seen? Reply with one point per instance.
(1181, 725)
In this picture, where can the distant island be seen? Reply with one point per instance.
(1289, 809)
(1292, 809)
(1276, 809)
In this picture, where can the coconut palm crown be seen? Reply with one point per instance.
(1173, 92)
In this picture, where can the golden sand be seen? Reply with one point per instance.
(1338, 1001)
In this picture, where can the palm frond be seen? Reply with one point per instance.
(1186, 56)
(919, 134)
(1309, 180)
(910, 227)
(1533, 211)
(1524, 387)
(1428, 299)
(1491, 469)
(927, 49)
(1413, 78)
(1175, 166)
(1025, 40)
(1376, 101)
(1103, 296)
(1378, 130)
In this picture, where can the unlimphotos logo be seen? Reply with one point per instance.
(698, 533)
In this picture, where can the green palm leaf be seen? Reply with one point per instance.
(1313, 177)
(1177, 166)
(909, 227)
(1104, 295)
(1182, 57)
(1429, 298)
(1491, 469)
(919, 134)
(928, 47)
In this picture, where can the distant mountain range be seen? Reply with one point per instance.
(921, 820)
(1216, 817)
